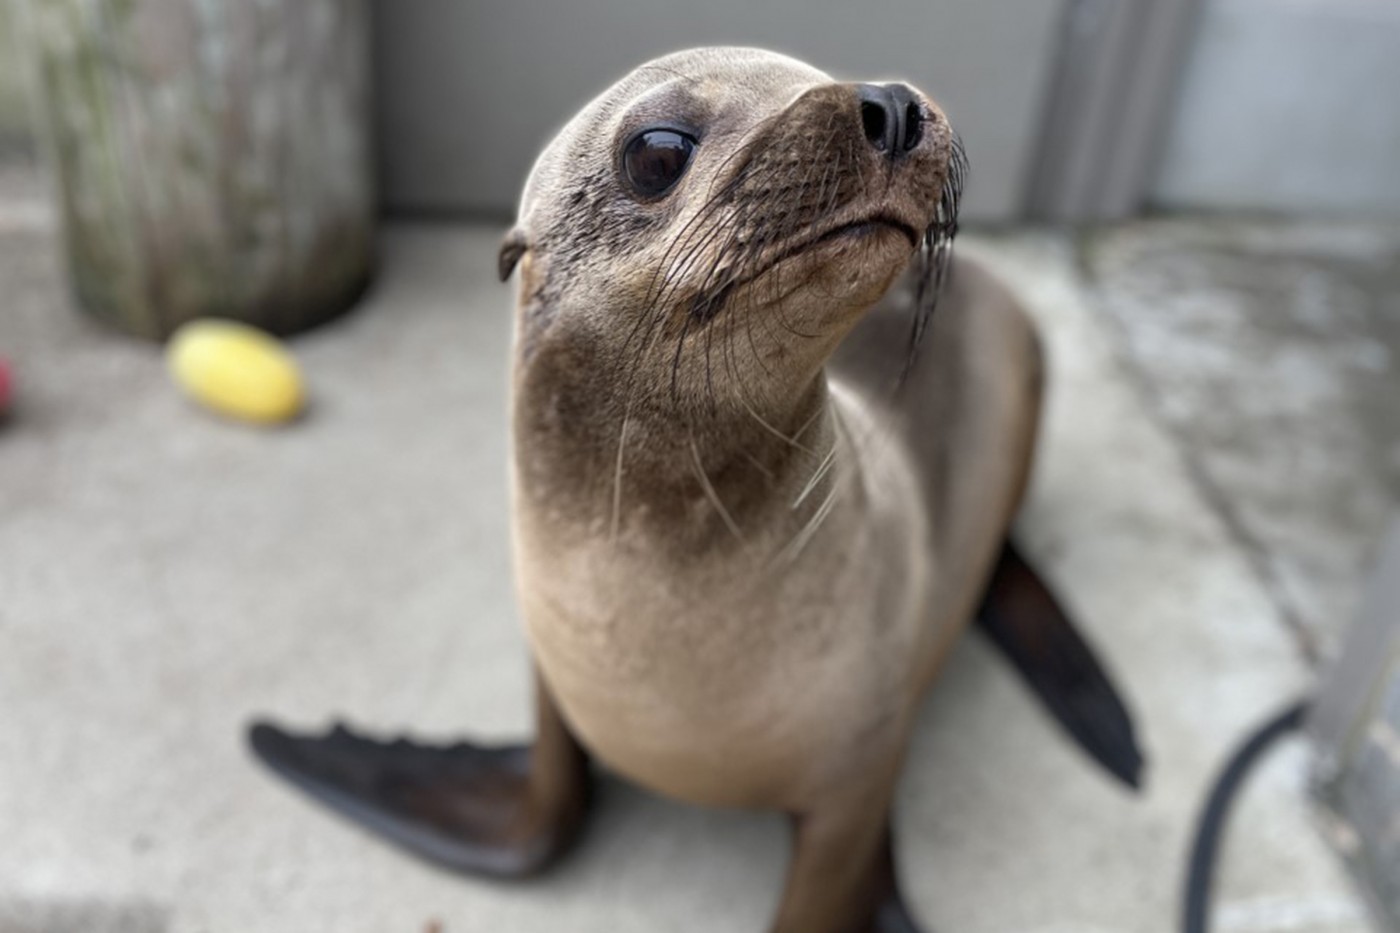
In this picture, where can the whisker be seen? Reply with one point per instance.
(617, 471)
(818, 474)
(790, 441)
(935, 256)
(710, 493)
(804, 535)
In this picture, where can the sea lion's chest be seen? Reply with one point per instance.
(720, 700)
(751, 679)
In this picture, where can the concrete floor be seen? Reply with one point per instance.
(1271, 351)
(165, 576)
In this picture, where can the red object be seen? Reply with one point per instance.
(6, 385)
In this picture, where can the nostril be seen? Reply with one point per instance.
(872, 117)
(892, 117)
(913, 127)
(880, 116)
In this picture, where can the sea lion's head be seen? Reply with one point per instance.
(712, 225)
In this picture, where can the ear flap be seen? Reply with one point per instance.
(512, 248)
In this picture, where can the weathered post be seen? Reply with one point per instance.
(211, 157)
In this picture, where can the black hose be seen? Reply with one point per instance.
(1201, 870)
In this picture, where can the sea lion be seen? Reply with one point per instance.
(755, 498)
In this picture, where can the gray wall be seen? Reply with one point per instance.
(1285, 105)
(1288, 105)
(470, 92)
(14, 122)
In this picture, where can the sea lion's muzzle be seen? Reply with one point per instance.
(877, 148)
(842, 167)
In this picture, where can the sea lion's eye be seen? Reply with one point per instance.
(654, 160)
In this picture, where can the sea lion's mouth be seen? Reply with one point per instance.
(853, 228)
(861, 228)
(707, 305)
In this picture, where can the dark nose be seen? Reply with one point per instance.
(892, 117)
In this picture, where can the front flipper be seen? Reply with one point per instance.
(1023, 619)
(505, 812)
(891, 913)
(842, 878)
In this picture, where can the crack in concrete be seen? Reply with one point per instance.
(1212, 493)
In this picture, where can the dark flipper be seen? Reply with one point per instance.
(1021, 616)
(505, 812)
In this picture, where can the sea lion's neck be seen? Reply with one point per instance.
(596, 452)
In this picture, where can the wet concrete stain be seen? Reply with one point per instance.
(1271, 350)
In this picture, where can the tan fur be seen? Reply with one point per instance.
(740, 570)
